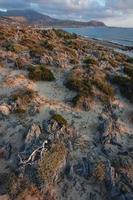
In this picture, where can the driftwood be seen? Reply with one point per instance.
(31, 158)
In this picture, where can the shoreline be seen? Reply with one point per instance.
(113, 44)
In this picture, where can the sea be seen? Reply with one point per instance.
(122, 36)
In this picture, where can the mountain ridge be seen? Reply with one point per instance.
(32, 17)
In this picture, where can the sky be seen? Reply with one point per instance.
(112, 12)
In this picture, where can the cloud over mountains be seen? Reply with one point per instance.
(110, 11)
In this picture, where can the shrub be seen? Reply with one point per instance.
(82, 85)
(47, 45)
(100, 171)
(125, 84)
(52, 162)
(40, 73)
(65, 35)
(36, 51)
(104, 87)
(88, 60)
(60, 119)
(129, 70)
(71, 44)
(130, 60)
(23, 98)
(9, 45)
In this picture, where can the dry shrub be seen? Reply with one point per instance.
(52, 162)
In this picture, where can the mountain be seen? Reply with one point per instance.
(32, 17)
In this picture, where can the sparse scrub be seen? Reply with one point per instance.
(40, 73)
(105, 87)
(64, 34)
(23, 98)
(47, 45)
(126, 85)
(88, 60)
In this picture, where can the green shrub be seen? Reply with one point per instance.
(83, 86)
(23, 98)
(130, 60)
(36, 51)
(129, 70)
(9, 45)
(65, 35)
(88, 60)
(126, 86)
(104, 87)
(60, 119)
(47, 45)
(40, 73)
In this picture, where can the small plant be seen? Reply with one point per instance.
(100, 172)
(47, 45)
(130, 60)
(40, 73)
(60, 119)
(125, 84)
(102, 84)
(88, 60)
(129, 70)
(8, 44)
(23, 98)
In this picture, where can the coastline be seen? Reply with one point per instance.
(62, 103)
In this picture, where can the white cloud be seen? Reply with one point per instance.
(111, 11)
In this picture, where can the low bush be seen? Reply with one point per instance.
(129, 70)
(100, 171)
(130, 60)
(8, 44)
(47, 45)
(60, 119)
(23, 98)
(40, 73)
(88, 60)
(65, 35)
(82, 85)
(53, 160)
(105, 87)
(125, 84)
(36, 51)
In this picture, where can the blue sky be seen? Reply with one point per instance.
(112, 12)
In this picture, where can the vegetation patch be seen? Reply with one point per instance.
(60, 119)
(88, 60)
(125, 84)
(52, 162)
(64, 34)
(40, 73)
(81, 85)
(23, 98)
(47, 45)
(105, 87)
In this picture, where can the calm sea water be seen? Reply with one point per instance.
(122, 36)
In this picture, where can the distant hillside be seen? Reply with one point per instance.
(34, 18)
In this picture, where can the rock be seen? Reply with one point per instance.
(83, 168)
(129, 196)
(103, 130)
(5, 151)
(93, 196)
(33, 133)
(110, 181)
(5, 109)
